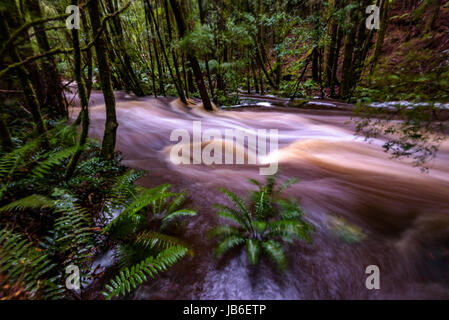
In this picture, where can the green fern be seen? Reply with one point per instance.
(162, 203)
(263, 225)
(34, 201)
(124, 187)
(72, 235)
(129, 279)
(153, 239)
(52, 159)
(12, 160)
(21, 262)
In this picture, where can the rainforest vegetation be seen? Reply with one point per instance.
(89, 90)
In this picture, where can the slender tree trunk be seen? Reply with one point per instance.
(110, 131)
(259, 60)
(315, 65)
(206, 60)
(5, 136)
(156, 52)
(336, 58)
(164, 52)
(349, 46)
(84, 101)
(132, 82)
(182, 27)
(174, 55)
(31, 100)
(52, 79)
(15, 20)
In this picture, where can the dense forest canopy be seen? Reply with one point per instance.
(385, 60)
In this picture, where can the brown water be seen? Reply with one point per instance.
(403, 212)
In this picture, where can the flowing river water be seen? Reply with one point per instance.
(402, 212)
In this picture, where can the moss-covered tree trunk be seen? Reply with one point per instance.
(349, 47)
(15, 20)
(52, 79)
(32, 103)
(111, 125)
(84, 100)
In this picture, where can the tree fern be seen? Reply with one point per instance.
(130, 278)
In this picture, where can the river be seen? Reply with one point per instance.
(401, 211)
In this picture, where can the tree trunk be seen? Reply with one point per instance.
(52, 79)
(110, 131)
(31, 100)
(182, 27)
(5, 135)
(164, 52)
(132, 82)
(84, 101)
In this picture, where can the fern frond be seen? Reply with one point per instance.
(234, 215)
(124, 187)
(23, 263)
(176, 202)
(238, 201)
(228, 243)
(223, 231)
(253, 250)
(177, 215)
(53, 159)
(129, 279)
(153, 239)
(73, 233)
(12, 160)
(34, 201)
(274, 250)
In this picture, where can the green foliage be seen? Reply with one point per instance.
(199, 40)
(130, 278)
(35, 201)
(66, 220)
(142, 248)
(27, 265)
(263, 225)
